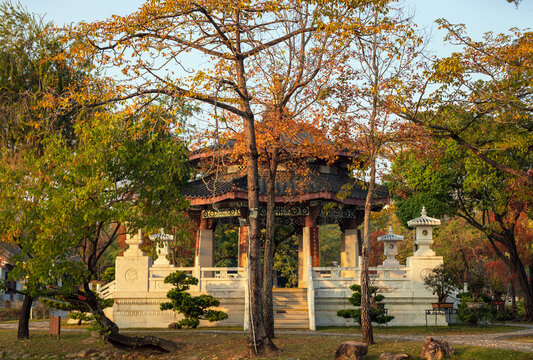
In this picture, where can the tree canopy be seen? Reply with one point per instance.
(64, 205)
(453, 181)
(481, 98)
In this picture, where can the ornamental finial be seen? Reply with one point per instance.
(424, 213)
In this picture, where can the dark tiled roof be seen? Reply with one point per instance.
(208, 187)
(315, 183)
(7, 250)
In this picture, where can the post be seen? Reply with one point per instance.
(162, 248)
(199, 278)
(349, 251)
(243, 246)
(246, 325)
(308, 246)
(205, 246)
(311, 296)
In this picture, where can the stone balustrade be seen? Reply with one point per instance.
(139, 287)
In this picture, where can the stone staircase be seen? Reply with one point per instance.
(290, 308)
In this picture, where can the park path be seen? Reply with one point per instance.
(501, 340)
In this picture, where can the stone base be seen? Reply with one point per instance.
(129, 312)
(406, 309)
(145, 312)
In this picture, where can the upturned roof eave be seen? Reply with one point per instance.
(322, 195)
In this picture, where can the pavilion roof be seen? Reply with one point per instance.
(294, 189)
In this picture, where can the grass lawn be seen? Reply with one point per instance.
(431, 330)
(526, 339)
(223, 346)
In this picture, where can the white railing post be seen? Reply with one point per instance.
(198, 271)
(311, 295)
(246, 325)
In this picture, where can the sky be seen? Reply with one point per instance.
(479, 16)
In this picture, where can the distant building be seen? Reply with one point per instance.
(7, 251)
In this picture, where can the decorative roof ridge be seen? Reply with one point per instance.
(423, 220)
(390, 236)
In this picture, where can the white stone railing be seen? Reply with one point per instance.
(222, 278)
(335, 272)
(341, 277)
(209, 278)
(223, 272)
(106, 291)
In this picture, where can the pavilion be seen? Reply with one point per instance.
(304, 202)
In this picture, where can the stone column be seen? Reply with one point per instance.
(205, 247)
(243, 246)
(349, 251)
(349, 246)
(204, 244)
(303, 254)
(131, 269)
(308, 246)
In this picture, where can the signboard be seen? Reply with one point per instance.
(222, 213)
(243, 245)
(235, 212)
(314, 246)
(55, 326)
(287, 211)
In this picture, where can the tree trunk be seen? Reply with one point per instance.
(259, 344)
(373, 147)
(111, 331)
(366, 323)
(531, 275)
(523, 281)
(513, 299)
(268, 258)
(24, 318)
(513, 261)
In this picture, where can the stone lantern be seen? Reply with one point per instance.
(390, 242)
(162, 248)
(424, 233)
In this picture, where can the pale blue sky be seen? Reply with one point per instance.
(479, 15)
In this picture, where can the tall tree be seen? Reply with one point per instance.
(29, 72)
(383, 68)
(152, 45)
(120, 171)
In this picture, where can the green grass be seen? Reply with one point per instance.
(475, 353)
(526, 338)
(40, 343)
(422, 330)
(233, 346)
